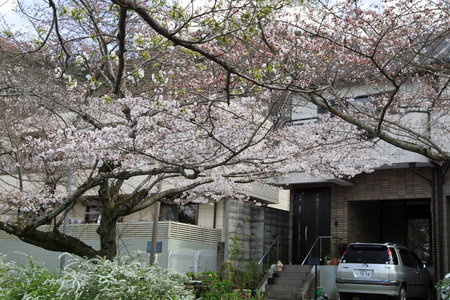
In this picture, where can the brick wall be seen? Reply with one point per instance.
(355, 208)
(389, 184)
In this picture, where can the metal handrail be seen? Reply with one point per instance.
(300, 121)
(270, 247)
(315, 242)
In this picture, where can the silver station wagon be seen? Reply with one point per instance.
(368, 269)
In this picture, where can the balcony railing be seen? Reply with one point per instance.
(166, 230)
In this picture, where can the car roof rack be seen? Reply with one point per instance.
(386, 244)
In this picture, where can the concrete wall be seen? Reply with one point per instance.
(204, 254)
(254, 228)
(18, 251)
(239, 228)
(189, 257)
(327, 281)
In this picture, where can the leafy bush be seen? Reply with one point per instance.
(239, 277)
(246, 275)
(226, 288)
(217, 288)
(444, 286)
(123, 278)
(26, 282)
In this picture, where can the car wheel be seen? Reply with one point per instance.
(402, 294)
(345, 296)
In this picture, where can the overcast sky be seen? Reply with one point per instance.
(6, 7)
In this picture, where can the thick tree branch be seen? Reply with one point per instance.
(53, 240)
(121, 38)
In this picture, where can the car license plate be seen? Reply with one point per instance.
(363, 273)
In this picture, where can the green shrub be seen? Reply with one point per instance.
(122, 278)
(226, 288)
(443, 284)
(31, 281)
(216, 288)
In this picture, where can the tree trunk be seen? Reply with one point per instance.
(107, 232)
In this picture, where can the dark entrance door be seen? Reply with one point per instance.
(311, 219)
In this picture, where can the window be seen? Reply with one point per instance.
(186, 213)
(92, 214)
(331, 102)
(359, 102)
(410, 259)
(378, 254)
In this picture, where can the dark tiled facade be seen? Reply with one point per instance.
(356, 210)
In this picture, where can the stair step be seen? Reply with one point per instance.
(282, 296)
(296, 268)
(281, 289)
(287, 284)
(292, 275)
(289, 281)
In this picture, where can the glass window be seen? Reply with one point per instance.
(361, 101)
(409, 259)
(92, 214)
(377, 254)
(186, 213)
(168, 212)
(416, 260)
(331, 102)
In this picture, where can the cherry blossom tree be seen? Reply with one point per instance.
(101, 94)
(397, 54)
(129, 94)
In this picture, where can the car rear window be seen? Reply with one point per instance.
(375, 254)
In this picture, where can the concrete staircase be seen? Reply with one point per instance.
(289, 283)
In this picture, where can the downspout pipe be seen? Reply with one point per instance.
(412, 167)
(215, 214)
(441, 234)
(442, 174)
(227, 229)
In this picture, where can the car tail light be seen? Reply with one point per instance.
(391, 259)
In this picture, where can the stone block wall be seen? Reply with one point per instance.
(253, 228)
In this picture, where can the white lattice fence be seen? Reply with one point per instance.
(166, 230)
